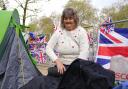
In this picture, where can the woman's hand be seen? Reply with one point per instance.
(61, 68)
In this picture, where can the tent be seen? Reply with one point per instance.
(16, 65)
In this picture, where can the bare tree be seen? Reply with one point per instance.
(28, 7)
(3, 4)
(24, 6)
(118, 11)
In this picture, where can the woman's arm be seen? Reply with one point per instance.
(84, 44)
(50, 52)
(51, 44)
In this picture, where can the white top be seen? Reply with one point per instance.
(70, 45)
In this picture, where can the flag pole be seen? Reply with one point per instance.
(115, 22)
(120, 21)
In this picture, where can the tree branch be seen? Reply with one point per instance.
(30, 16)
(20, 4)
(35, 10)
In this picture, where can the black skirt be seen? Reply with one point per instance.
(80, 74)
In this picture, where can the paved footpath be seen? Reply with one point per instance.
(43, 68)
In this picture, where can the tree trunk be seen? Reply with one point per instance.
(25, 12)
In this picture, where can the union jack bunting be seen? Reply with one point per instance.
(111, 42)
(107, 28)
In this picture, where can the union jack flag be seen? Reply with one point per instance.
(112, 41)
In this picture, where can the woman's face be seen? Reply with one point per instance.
(69, 23)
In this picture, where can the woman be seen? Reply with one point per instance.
(70, 41)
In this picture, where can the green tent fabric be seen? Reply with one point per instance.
(5, 17)
(16, 65)
(10, 18)
(6, 20)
